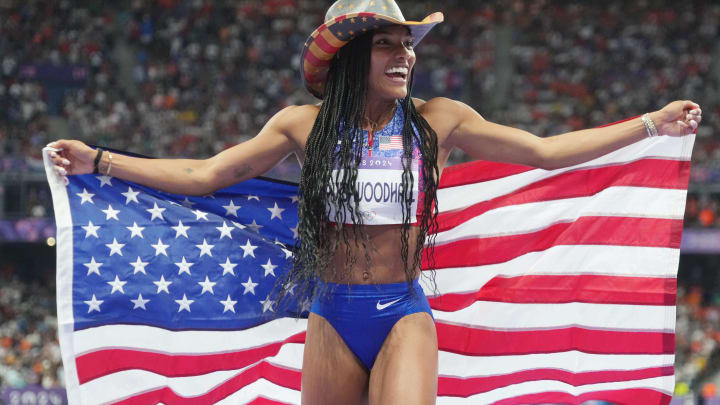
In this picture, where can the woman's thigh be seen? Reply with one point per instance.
(406, 369)
(331, 373)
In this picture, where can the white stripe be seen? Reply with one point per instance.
(265, 389)
(453, 198)
(632, 261)
(290, 356)
(128, 383)
(153, 339)
(517, 317)
(64, 281)
(661, 384)
(453, 364)
(613, 202)
(125, 384)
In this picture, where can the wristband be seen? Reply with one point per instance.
(97, 161)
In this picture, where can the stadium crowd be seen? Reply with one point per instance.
(29, 348)
(193, 77)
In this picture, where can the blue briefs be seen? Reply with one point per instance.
(364, 314)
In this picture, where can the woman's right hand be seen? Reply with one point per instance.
(71, 157)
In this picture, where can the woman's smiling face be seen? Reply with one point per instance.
(392, 59)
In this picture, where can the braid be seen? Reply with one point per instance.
(333, 152)
(417, 131)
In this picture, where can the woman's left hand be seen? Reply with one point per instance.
(677, 118)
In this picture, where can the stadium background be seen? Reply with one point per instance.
(192, 77)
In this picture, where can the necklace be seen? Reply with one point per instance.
(373, 128)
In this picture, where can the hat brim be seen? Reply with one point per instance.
(322, 45)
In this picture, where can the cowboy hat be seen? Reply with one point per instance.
(345, 20)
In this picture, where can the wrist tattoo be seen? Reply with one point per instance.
(243, 170)
(188, 170)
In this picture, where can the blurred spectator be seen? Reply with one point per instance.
(190, 78)
(29, 349)
(702, 209)
(697, 337)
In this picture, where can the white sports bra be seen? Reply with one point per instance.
(379, 180)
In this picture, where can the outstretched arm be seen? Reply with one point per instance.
(485, 140)
(189, 176)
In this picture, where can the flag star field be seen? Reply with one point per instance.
(170, 267)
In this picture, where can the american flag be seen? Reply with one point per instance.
(554, 286)
(391, 142)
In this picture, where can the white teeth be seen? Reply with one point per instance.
(398, 69)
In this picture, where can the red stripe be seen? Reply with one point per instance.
(631, 396)
(315, 61)
(620, 231)
(666, 174)
(480, 342)
(323, 44)
(560, 289)
(266, 401)
(289, 378)
(316, 78)
(465, 387)
(447, 386)
(103, 362)
(477, 172)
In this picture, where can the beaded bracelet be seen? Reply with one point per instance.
(649, 125)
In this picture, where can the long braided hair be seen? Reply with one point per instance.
(336, 144)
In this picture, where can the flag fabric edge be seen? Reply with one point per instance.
(63, 277)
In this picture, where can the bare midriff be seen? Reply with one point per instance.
(386, 264)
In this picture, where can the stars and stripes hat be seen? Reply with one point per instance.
(344, 20)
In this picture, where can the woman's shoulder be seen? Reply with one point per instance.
(295, 119)
(298, 112)
(442, 114)
(436, 104)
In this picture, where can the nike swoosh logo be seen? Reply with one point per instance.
(380, 306)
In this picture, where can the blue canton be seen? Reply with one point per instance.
(176, 262)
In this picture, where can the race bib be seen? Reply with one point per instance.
(379, 186)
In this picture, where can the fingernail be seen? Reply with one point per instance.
(53, 154)
(65, 180)
(682, 124)
(693, 123)
(62, 171)
(65, 162)
(50, 145)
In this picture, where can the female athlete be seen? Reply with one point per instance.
(372, 156)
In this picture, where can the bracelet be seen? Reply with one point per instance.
(649, 125)
(97, 161)
(109, 163)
